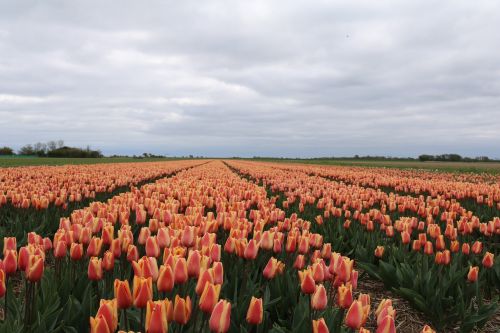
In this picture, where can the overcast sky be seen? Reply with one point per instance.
(245, 78)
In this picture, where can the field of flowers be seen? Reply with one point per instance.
(239, 246)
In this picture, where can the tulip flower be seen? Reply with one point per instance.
(379, 251)
(99, 325)
(94, 248)
(180, 271)
(344, 296)
(142, 291)
(188, 236)
(319, 299)
(108, 310)
(488, 260)
(427, 329)
(354, 316)
(477, 247)
(220, 317)
(272, 268)
(76, 251)
(209, 297)
(108, 261)
(251, 250)
(9, 243)
(152, 247)
(193, 263)
(182, 309)
(255, 311)
(34, 269)
(10, 262)
(319, 326)
(218, 270)
(94, 271)
(122, 294)
(473, 274)
(156, 317)
(307, 283)
(386, 325)
(3, 288)
(165, 282)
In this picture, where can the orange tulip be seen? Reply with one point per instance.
(209, 297)
(165, 280)
(3, 288)
(354, 316)
(99, 325)
(108, 311)
(10, 262)
(152, 247)
(76, 251)
(272, 268)
(386, 325)
(473, 274)
(9, 243)
(251, 250)
(379, 251)
(156, 317)
(142, 291)
(307, 283)
(108, 261)
(182, 310)
(319, 299)
(122, 294)
(255, 311)
(94, 248)
(193, 263)
(220, 317)
(94, 271)
(488, 260)
(344, 296)
(180, 271)
(427, 329)
(319, 326)
(34, 270)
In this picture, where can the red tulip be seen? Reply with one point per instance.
(108, 311)
(10, 262)
(251, 250)
(94, 271)
(379, 251)
(99, 325)
(307, 283)
(165, 280)
(76, 251)
(473, 274)
(180, 271)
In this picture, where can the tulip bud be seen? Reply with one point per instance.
(165, 280)
(319, 326)
(319, 299)
(251, 250)
(99, 325)
(152, 248)
(379, 251)
(272, 268)
(94, 271)
(34, 270)
(255, 311)
(488, 260)
(220, 317)
(218, 270)
(209, 297)
(76, 251)
(344, 296)
(142, 291)
(180, 271)
(10, 262)
(473, 274)
(307, 283)
(122, 294)
(108, 261)
(386, 325)
(156, 317)
(354, 316)
(182, 310)
(108, 311)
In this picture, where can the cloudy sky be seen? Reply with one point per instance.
(268, 78)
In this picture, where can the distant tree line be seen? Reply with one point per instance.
(52, 149)
(452, 158)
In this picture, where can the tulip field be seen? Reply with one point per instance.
(246, 246)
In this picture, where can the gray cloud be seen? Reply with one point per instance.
(224, 78)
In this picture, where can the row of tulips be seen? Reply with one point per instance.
(203, 250)
(413, 257)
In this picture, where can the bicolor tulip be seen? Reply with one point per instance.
(488, 260)
(156, 317)
(108, 310)
(34, 269)
(122, 294)
(473, 274)
(94, 271)
(319, 326)
(220, 317)
(142, 291)
(319, 299)
(255, 311)
(182, 309)
(209, 297)
(354, 316)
